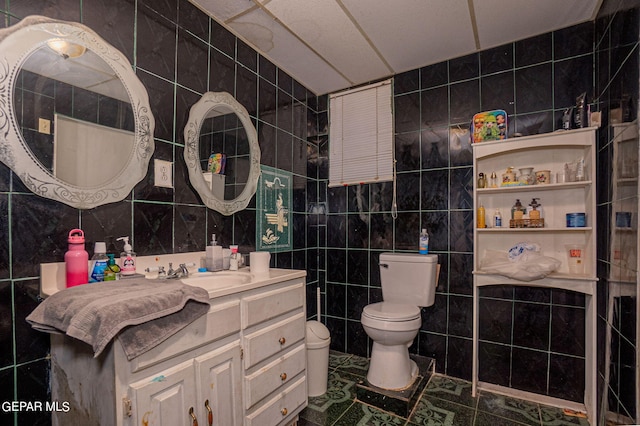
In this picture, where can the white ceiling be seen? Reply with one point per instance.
(329, 45)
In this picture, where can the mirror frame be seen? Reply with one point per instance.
(197, 115)
(16, 44)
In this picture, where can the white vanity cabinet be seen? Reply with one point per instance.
(207, 387)
(242, 363)
(541, 152)
(275, 359)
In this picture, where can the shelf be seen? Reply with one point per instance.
(509, 230)
(580, 283)
(529, 188)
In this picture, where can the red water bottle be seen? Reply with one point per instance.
(76, 259)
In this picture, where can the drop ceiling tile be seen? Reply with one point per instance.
(324, 26)
(501, 22)
(411, 34)
(279, 46)
(224, 9)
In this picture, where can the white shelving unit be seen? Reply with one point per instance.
(542, 152)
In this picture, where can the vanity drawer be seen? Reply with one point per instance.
(274, 375)
(222, 320)
(283, 407)
(270, 304)
(273, 339)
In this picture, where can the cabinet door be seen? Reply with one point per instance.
(219, 378)
(165, 399)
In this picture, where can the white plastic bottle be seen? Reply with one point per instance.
(234, 259)
(424, 242)
(127, 258)
(497, 219)
(98, 262)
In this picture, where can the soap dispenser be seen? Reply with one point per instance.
(127, 258)
(214, 255)
(536, 209)
(112, 270)
(518, 210)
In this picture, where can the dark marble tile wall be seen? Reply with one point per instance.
(178, 53)
(531, 339)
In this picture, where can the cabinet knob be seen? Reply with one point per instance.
(193, 416)
(284, 411)
(209, 412)
(283, 376)
(282, 340)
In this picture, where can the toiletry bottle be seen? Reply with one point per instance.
(234, 260)
(482, 182)
(481, 217)
(518, 210)
(493, 180)
(112, 270)
(76, 259)
(98, 262)
(214, 255)
(497, 219)
(127, 258)
(536, 208)
(424, 242)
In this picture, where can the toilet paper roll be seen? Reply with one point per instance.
(259, 261)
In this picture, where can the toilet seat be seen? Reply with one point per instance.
(391, 312)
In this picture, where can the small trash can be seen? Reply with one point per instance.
(318, 340)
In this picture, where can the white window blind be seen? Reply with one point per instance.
(361, 135)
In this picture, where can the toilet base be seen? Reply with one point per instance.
(400, 402)
(390, 367)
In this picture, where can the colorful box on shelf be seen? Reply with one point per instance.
(489, 126)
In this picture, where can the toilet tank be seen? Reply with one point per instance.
(409, 278)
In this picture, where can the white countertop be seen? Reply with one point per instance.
(52, 275)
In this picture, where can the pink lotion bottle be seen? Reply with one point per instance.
(76, 259)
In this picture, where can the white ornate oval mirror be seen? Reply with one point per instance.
(76, 126)
(222, 152)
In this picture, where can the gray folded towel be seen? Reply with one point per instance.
(144, 312)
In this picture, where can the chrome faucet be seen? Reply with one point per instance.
(181, 272)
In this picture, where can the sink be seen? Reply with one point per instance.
(218, 280)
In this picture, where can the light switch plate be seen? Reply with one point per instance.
(163, 173)
(44, 126)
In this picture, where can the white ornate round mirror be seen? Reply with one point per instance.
(222, 152)
(75, 120)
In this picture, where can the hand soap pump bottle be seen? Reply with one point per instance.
(214, 255)
(76, 259)
(112, 271)
(536, 209)
(98, 262)
(424, 242)
(127, 258)
(518, 210)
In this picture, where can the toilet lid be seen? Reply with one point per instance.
(391, 311)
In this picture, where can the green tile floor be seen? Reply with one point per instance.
(445, 401)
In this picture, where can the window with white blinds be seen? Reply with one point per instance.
(361, 135)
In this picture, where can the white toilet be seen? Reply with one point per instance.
(408, 282)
